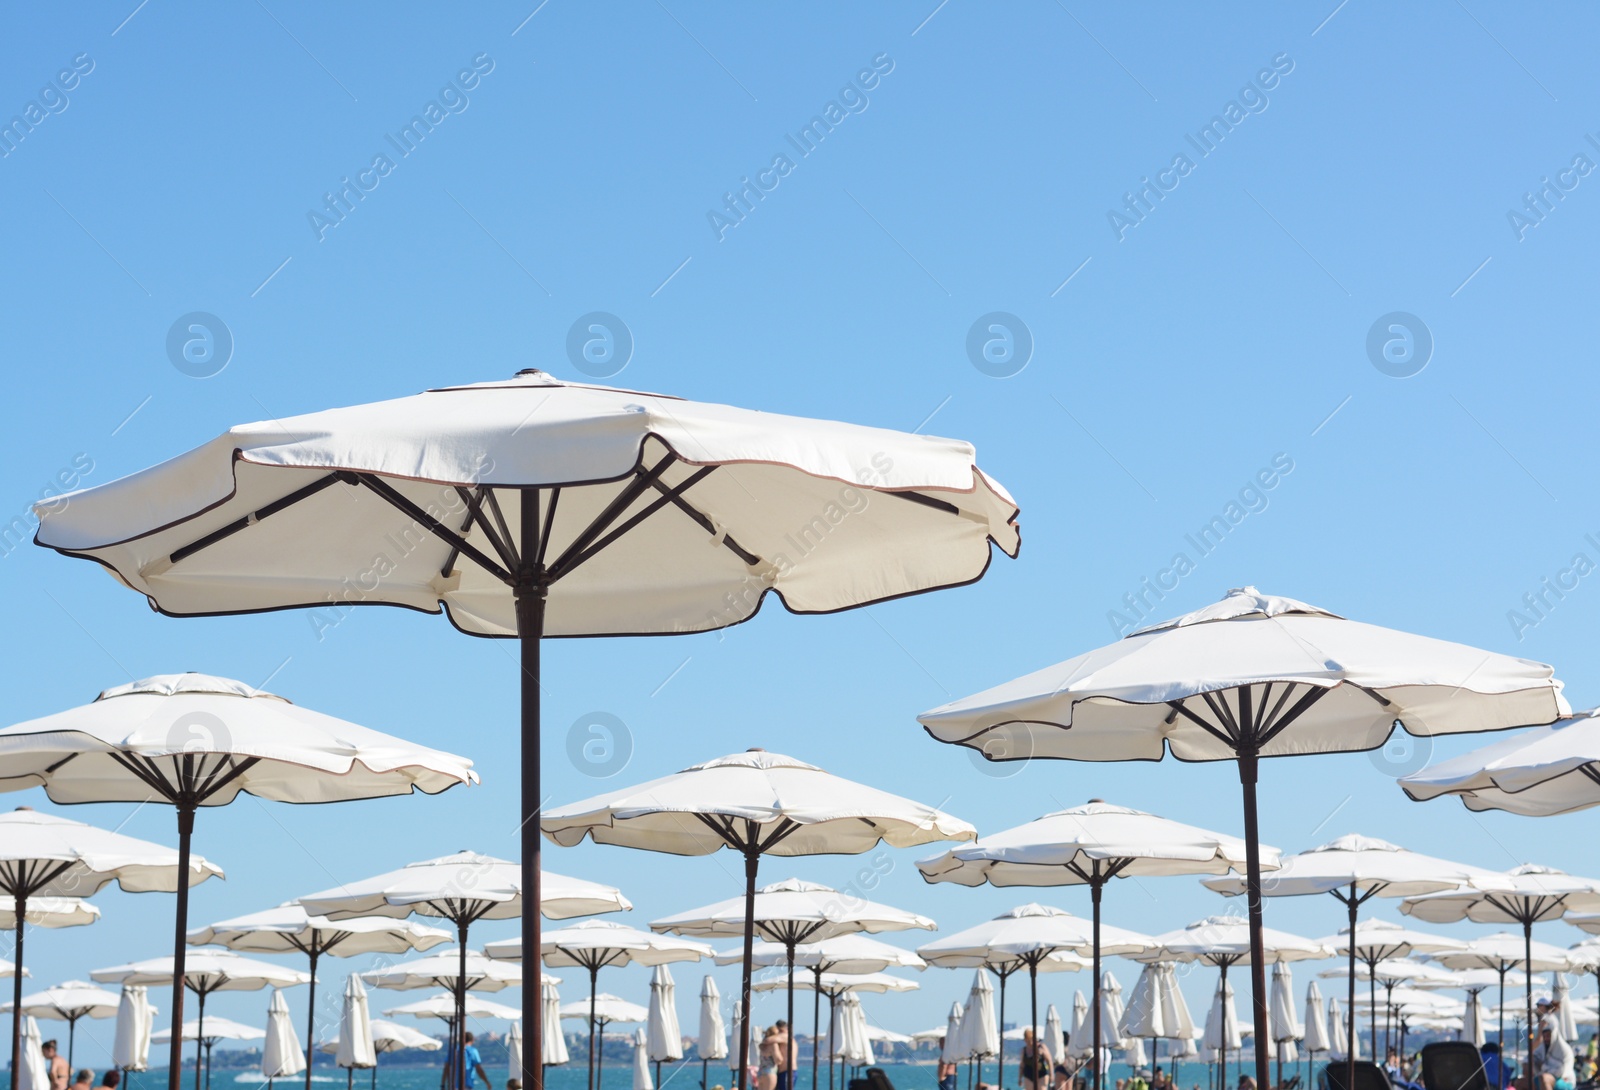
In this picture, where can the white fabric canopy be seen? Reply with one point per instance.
(281, 1054)
(70, 1001)
(85, 858)
(443, 1007)
(607, 1009)
(33, 1070)
(837, 984)
(1472, 1024)
(663, 1036)
(952, 1050)
(356, 1045)
(844, 954)
(1080, 1044)
(794, 911)
(442, 968)
(206, 970)
(49, 912)
(1538, 772)
(594, 944)
(388, 1037)
(1372, 865)
(980, 1035)
(712, 1040)
(427, 888)
(1218, 940)
(1054, 1038)
(1529, 893)
(1222, 1033)
(1316, 1021)
(215, 1029)
(130, 1048)
(641, 1062)
(1561, 995)
(1503, 950)
(289, 928)
(554, 1041)
(514, 1045)
(1027, 929)
(1283, 1021)
(1339, 1038)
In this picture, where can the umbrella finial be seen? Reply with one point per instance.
(756, 749)
(529, 371)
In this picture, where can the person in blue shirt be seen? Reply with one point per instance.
(1495, 1068)
(475, 1069)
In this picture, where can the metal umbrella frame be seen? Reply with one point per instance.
(508, 497)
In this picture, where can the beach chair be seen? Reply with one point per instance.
(1453, 1065)
(878, 1079)
(1369, 1076)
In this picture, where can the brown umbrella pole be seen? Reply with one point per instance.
(179, 945)
(20, 902)
(1248, 762)
(529, 594)
(752, 861)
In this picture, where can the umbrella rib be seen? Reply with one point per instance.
(549, 525)
(434, 526)
(1219, 708)
(235, 770)
(704, 520)
(568, 562)
(473, 500)
(784, 829)
(147, 772)
(1312, 695)
(253, 517)
(506, 547)
(926, 501)
(1178, 708)
(723, 826)
(619, 503)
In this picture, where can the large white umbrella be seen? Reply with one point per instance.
(1499, 958)
(1180, 1023)
(206, 1036)
(289, 928)
(1282, 1020)
(50, 912)
(30, 1069)
(1353, 869)
(356, 1046)
(712, 1040)
(45, 856)
(202, 972)
(790, 913)
(755, 803)
(445, 1008)
(388, 1037)
(1553, 769)
(858, 1033)
(531, 507)
(462, 888)
(514, 1044)
(1089, 845)
(596, 944)
(1380, 936)
(1079, 1044)
(1525, 895)
(281, 1054)
(1223, 1034)
(555, 1042)
(193, 740)
(69, 1002)
(130, 1048)
(641, 1061)
(600, 1011)
(1252, 676)
(442, 969)
(665, 1038)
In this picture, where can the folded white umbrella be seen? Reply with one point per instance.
(532, 507)
(193, 740)
(555, 1042)
(980, 1034)
(514, 1046)
(1253, 676)
(33, 1071)
(951, 1051)
(1499, 959)
(389, 1037)
(1054, 1038)
(1472, 1024)
(1284, 1025)
(281, 1054)
(1342, 1044)
(861, 1040)
(443, 1007)
(664, 1038)
(68, 1003)
(1561, 995)
(1133, 1053)
(1111, 997)
(1316, 1022)
(54, 861)
(356, 1046)
(1145, 1012)
(1079, 1044)
(289, 928)
(641, 1061)
(130, 1048)
(1180, 1023)
(1222, 1034)
(712, 1040)
(1524, 895)
(755, 803)
(1539, 772)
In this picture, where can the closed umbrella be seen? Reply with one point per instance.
(1315, 1026)
(1252, 676)
(202, 972)
(1180, 1022)
(514, 1047)
(950, 1052)
(281, 1054)
(34, 1072)
(462, 888)
(1111, 991)
(289, 928)
(1472, 1025)
(1222, 1033)
(641, 1061)
(665, 1039)
(1342, 1044)
(130, 1048)
(193, 740)
(980, 1035)
(356, 1046)
(859, 1038)
(1080, 1043)
(42, 855)
(1054, 1038)
(1560, 994)
(531, 507)
(1089, 845)
(1145, 1013)
(388, 1037)
(70, 1002)
(755, 803)
(1281, 1017)
(1526, 895)
(712, 1040)
(555, 1042)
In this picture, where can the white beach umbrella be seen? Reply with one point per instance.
(564, 898)
(1079, 1044)
(555, 1042)
(356, 1046)
(1252, 676)
(533, 507)
(1054, 1036)
(205, 1037)
(45, 856)
(951, 1051)
(712, 1040)
(1284, 1025)
(641, 1061)
(980, 1035)
(1145, 1014)
(1180, 1023)
(1472, 1024)
(755, 803)
(1316, 1022)
(442, 969)
(879, 1035)
(1342, 1043)
(1133, 1053)
(203, 972)
(1223, 1034)
(664, 1037)
(837, 984)
(1524, 895)
(607, 1009)
(130, 1048)
(68, 1003)
(1537, 773)
(1353, 869)
(289, 928)
(859, 1030)
(514, 1045)
(1378, 936)
(194, 740)
(1374, 942)
(50, 912)
(32, 1071)
(1561, 995)
(281, 1054)
(462, 888)
(388, 1037)
(444, 1007)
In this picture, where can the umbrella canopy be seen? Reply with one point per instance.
(444, 1007)
(388, 1037)
(443, 969)
(1283, 1022)
(281, 1054)
(857, 1041)
(1226, 940)
(665, 1039)
(555, 1042)
(951, 1051)
(193, 740)
(34, 1072)
(845, 954)
(1539, 772)
(712, 1040)
(1316, 1021)
(1222, 1033)
(215, 1029)
(838, 984)
(980, 1034)
(607, 1009)
(49, 912)
(514, 1044)
(1146, 1012)
(1472, 1023)
(70, 1001)
(1252, 676)
(756, 803)
(289, 928)
(130, 1048)
(356, 1045)
(1079, 1043)
(532, 507)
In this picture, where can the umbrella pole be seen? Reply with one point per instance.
(72, 1034)
(1000, 1035)
(1248, 762)
(1500, 1034)
(179, 944)
(1350, 1060)
(1372, 1010)
(752, 860)
(20, 905)
(1222, 997)
(529, 595)
(1033, 1023)
(1095, 889)
(461, 1003)
(1527, 972)
(311, 1011)
(594, 981)
(831, 1001)
(816, 1021)
(199, 1036)
(789, 1045)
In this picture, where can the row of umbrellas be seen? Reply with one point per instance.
(548, 508)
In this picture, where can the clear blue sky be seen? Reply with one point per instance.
(1373, 169)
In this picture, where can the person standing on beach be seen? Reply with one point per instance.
(947, 1070)
(785, 1049)
(59, 1071)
